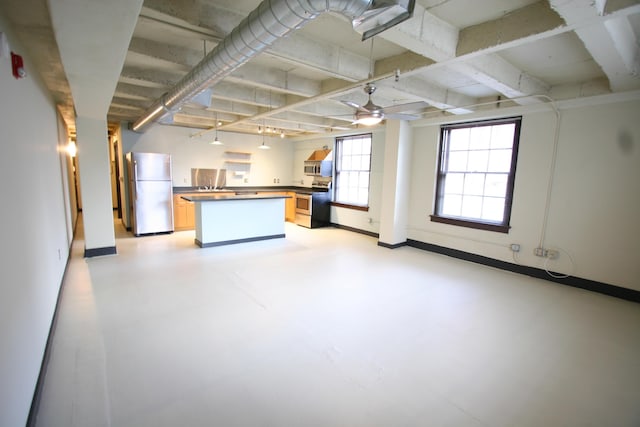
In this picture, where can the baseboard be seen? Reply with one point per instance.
(576, 282)
(108, 250)
(236, 241)
(391, 246)
(37, 393)
(355, 230)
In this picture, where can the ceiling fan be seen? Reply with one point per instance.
(371, 114)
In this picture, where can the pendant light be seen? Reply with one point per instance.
(263, 146)
(216, 141)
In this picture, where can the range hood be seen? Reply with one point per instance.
(319, 163)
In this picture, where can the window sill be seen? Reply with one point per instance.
(347, 206)
(471, 224)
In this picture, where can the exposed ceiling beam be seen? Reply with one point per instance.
(171, 54)
(152, 14)
(129, 91)
(321, 56)
(521, 26)
(233, 107)
(426, 35)
(611, 43)
(497, 73)
(274, 80)
(296, 48)
(247, 94)
(93, 77)
(148, 78)
(435, 95)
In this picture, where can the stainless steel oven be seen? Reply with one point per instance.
(303, 204)
(313, 209)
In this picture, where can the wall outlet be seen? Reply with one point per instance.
(546, 253)
(552, 254)
(515, 247)
(540, 252)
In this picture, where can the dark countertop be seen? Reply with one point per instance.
(230, 197)
(305, 190)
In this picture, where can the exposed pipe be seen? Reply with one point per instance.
(270, 21)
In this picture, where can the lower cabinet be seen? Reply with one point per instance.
(290, 207)
(184, 216)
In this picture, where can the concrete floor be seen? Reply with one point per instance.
(325, 328)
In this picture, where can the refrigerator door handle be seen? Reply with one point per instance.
(135, 177)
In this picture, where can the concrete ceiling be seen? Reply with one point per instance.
(453, 54)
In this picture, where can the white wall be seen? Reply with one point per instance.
(35, 231)
(187, 152)
(595, 193)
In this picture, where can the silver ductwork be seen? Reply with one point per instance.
(270, 21)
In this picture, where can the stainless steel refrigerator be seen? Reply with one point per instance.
(151, 193)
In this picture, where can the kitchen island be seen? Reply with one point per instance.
(224, 219)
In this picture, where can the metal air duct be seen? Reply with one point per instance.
(271, 20)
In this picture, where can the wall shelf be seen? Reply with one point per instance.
(238, 162)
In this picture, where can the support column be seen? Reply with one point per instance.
(395, 186)
(95, 186)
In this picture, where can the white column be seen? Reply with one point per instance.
(395, 186)
(97, 212)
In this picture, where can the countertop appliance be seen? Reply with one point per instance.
(319, 163)
(151, 193)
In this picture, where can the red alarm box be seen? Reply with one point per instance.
(17, 66)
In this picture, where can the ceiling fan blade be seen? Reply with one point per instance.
(405, 107)
(401, 116)
(354, 105)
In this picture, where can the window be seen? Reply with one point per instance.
(476, 171)
(353, 167)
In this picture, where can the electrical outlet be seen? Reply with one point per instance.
(515, 247)
(540, 252)
(552, 254)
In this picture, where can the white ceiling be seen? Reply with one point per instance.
(453, 54)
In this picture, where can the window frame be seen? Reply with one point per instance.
(337, 170)
(443, 153)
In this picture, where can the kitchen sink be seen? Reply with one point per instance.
(217, 190)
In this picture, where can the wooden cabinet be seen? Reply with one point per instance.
(184, 212)
(184, 217)
(290, 207)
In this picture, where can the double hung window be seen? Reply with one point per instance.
(352, 171)
(476, 173)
